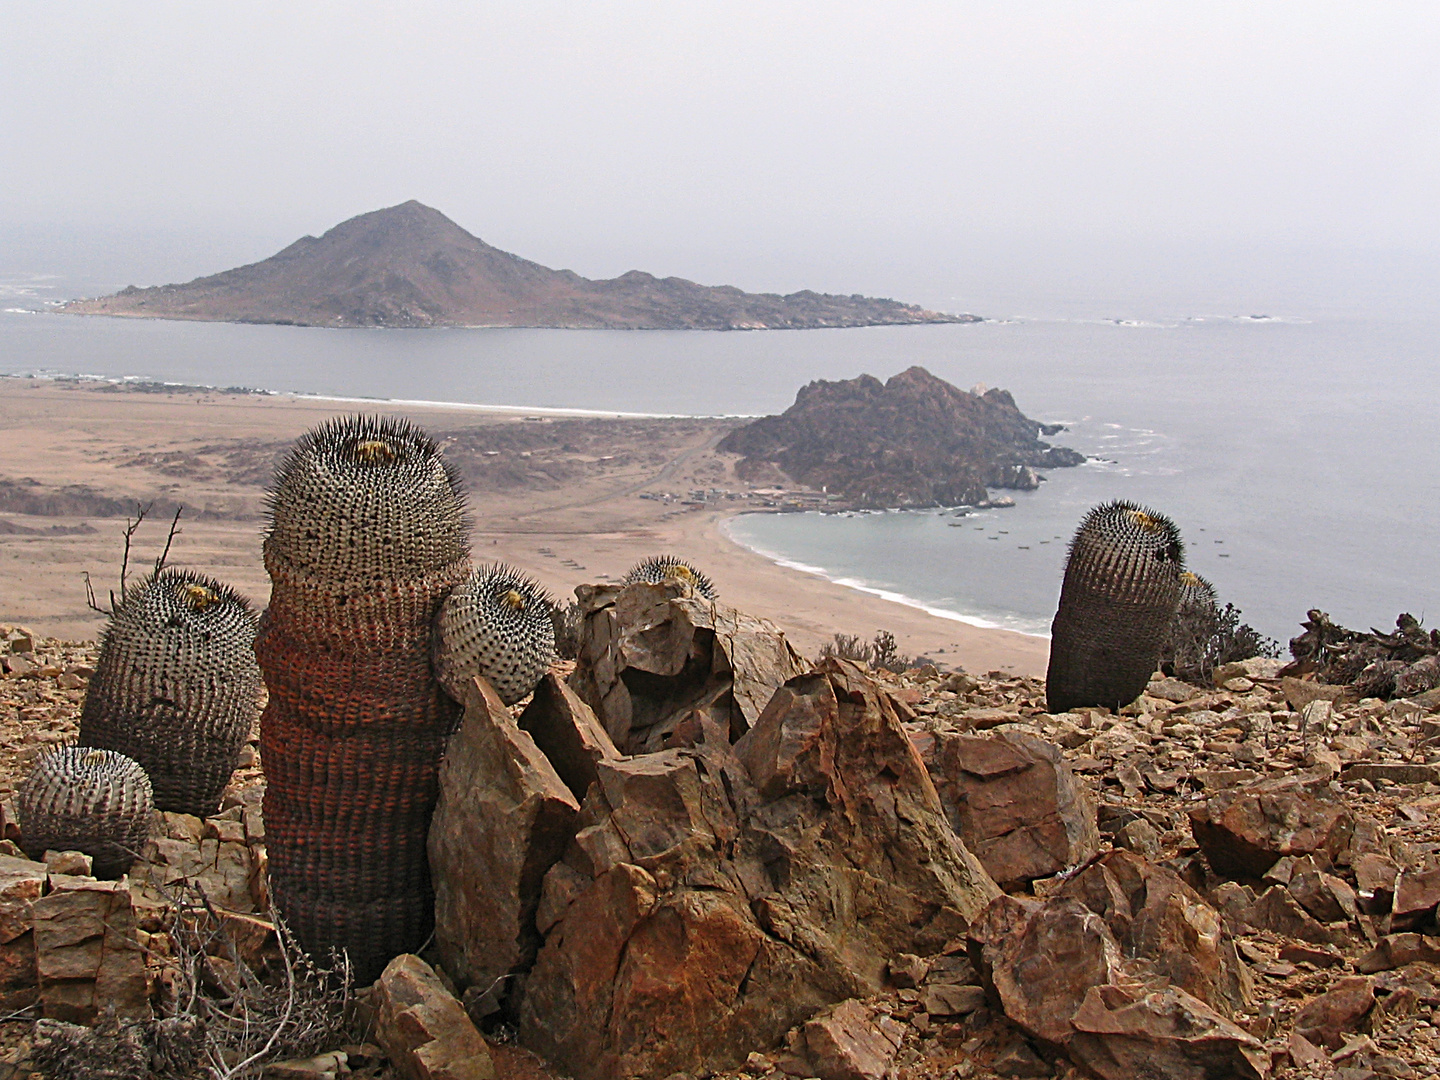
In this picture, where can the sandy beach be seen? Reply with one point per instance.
(568, 499)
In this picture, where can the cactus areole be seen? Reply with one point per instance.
(1121, 590)
(368, 535)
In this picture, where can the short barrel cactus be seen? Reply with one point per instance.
(79, 798)
(658, 569)
(368, 535)
(496, 624)
(176, 686)
(1121, 590)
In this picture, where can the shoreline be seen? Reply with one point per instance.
(566, 518)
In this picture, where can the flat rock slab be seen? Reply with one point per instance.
(87, 951)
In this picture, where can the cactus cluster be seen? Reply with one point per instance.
(368, 534)
(79, 798)
(496, 624)
(1121, 590)
(176, 686)
(658, 569)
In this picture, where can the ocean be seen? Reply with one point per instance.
(1293, 448)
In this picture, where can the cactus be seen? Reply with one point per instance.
(368, 534)
(661, 568)
(1121, 590)
(497, 624)
(176, 686)
(78, 798)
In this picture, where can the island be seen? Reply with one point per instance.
(913, 441)
(411, 266)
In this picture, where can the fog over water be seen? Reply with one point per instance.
(1120, 187)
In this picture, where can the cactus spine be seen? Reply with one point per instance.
(497, 624)
(1121, 590)
(78, 798)
(368, 534)
(176, 686)
(658, 569)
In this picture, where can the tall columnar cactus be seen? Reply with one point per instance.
(1121, 590)
(497, 624)
(368, 534)
(78, 798)
(658, 569)
(176, 686)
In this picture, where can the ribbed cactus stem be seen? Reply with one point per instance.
(368, 534)
(1121, 590)
(658, 569)
(496, 624)
(79, 798)
(176, 686)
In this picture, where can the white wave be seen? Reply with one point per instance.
(873, 590)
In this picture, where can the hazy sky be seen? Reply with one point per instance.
(749, 141)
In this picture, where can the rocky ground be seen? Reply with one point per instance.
(1319, 965)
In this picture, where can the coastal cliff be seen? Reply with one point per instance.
(411, 266)
(914, 441)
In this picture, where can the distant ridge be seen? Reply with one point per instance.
(411, 266)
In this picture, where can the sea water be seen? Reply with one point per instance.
(1295, 451)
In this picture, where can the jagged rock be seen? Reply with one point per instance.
(1014, 801)
(1396, 950)
(1060, 975)
(1277, 911)
(1325, 1020)
(1243, 831)
(852, 1042)
(1323, 895)
(568, 733)
(1126, 1032)
(21, 883)
(1417, 895)
(1375, 879)
(88, 955)
(947, 999)
(650, 656)
(504, 816)
(1158, 919)
(423, 1029)
(717, 898)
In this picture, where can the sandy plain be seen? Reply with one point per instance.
(568, 499)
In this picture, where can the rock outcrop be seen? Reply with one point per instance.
(913, 441)
(411, 266)
(714, 898)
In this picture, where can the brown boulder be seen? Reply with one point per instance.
(1244, 831)
(1016, 804)
(851, 1042)
(1158, 919)
(1326, 1019)
(711, 899)
(1122, 1033)
(88, 954)
(1396, 950)
(651, 656)
(1277, 911)
(503, 818)
(423, 1029)
(1417, 895)
(21, 883)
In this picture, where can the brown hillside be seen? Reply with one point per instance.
(411, 266)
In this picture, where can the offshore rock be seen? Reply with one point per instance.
(714, 898)
(503, 818)
(652, 657)
(1015, 803)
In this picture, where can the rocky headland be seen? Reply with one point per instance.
(913, 441)
(411, 266)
